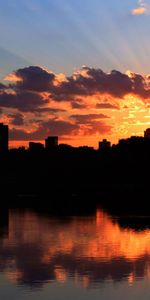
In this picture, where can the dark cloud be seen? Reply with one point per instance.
(58, 127)
(85, 119)
(92, 123)
(49, 110)
(68, 90)
(24, 101)
(51, 127)
(16, 119)
(95, 81)
(140, 86)
(62, 128)
(116, 84)
(34, 79)
(86, 82)
(97, 127)
(78, 104)
(2, 86)
(106, 105)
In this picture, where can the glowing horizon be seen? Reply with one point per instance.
(81, 109)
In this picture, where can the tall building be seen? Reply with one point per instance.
(3, 138)
(104, 144)
(147, 133)
(51, 142)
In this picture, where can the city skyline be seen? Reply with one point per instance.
(52, 142)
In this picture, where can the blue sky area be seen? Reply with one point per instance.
(63, 35)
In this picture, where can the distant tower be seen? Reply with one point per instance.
(147, 133)
(51, 142)
(3, 138)
(104, 144)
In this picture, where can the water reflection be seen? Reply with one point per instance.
(35, 250)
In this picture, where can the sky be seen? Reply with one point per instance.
(56, 64)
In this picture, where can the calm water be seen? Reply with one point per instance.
(75, 258)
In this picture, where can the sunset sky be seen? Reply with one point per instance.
(76, 69)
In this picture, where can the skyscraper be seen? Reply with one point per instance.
(3, 138)
(51, 142)
(104, 144)
(147, 133)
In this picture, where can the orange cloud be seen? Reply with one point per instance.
(12, 77)
(140, 10)
(42, 103)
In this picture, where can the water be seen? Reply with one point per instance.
(74, 258)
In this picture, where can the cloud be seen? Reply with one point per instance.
(95, 81)
(141, 9)
(99, 127)
(2, 86)
(16, 119)
(33, 78)
(47, 101)
(50, 110)
(85, 119)
(141, 86)
(83, 83)
(78, 104)
(92, 123)
(106, 105)
(51, 127)
(23, 101)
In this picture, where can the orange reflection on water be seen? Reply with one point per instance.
(96, 237)
(61, 274)
(118, 242)
(88, 249)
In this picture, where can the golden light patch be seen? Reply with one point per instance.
(13, 77)
(61, 275)
(139, 11)
(81, 72)
(59, 78)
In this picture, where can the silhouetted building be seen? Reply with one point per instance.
(3, 137)
(104, 144)
(147, 133)
(35, 146)
(4, 221)
(51, 142)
